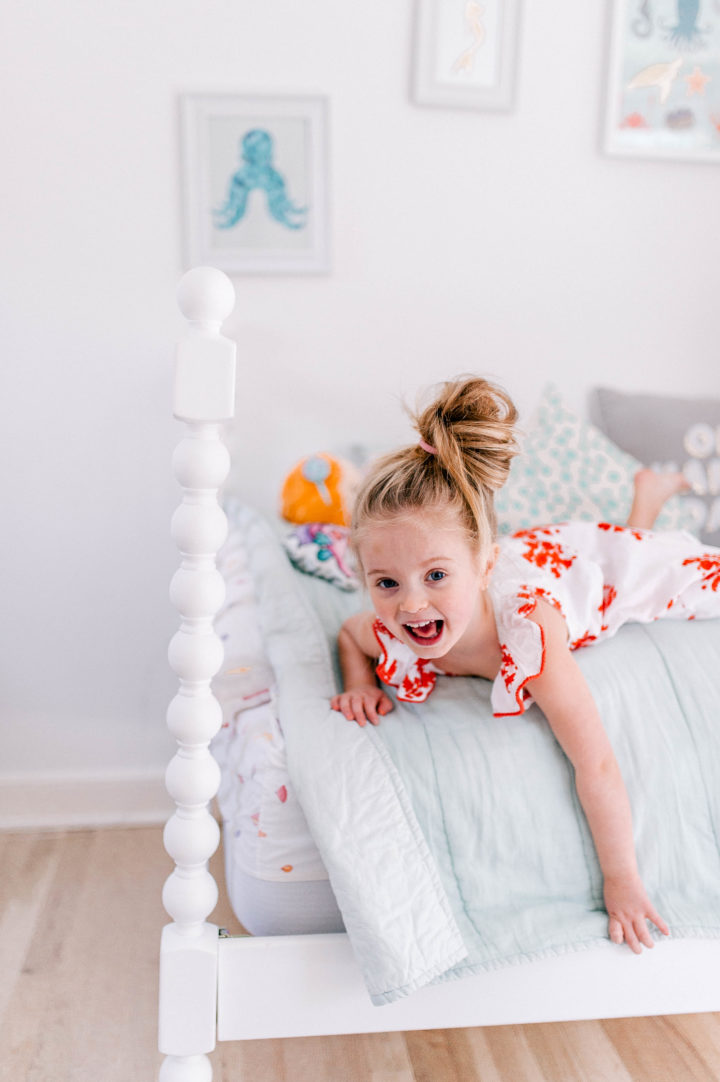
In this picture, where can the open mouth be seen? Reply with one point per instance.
(426, 633)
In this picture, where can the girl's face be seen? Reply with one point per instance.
(425, 579)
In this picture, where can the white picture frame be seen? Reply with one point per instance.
(465, 53)
(255, 190)
(663, 81)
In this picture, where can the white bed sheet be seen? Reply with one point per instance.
(266, 836)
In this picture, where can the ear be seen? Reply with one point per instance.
(488, 565)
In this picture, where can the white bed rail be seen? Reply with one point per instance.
(204, 397)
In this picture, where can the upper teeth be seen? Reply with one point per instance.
(422, 623)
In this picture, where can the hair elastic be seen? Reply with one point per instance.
(426, 447)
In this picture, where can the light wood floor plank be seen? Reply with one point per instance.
(651, 1052)
(512, 1054)
(90, 974)
(477, 1055)
(32, 1035)
(387, 1058)
(306, 1057)
(576, 1052)
(431, 1056)
(356, 1058)
(700, 1032)
(81, 919)
(28, 869)
(241, 1060)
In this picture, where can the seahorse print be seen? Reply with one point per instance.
(642, 25)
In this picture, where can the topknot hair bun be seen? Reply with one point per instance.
(463, 457)
(470, 424)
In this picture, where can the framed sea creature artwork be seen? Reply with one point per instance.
(255, 183)
(664, 80)
(465, 53)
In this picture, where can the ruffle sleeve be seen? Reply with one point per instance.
(522, 645)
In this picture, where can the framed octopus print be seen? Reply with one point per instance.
(465, 53)
(255, 183)
(664, 80)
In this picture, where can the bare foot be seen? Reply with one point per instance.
(652, 490)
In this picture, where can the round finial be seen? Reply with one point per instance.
(206, 295)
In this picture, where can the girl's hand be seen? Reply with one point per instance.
(363, 704)
(629, 910)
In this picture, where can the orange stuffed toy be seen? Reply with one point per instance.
(320, 488)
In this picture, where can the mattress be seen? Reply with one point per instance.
(266, 907)
(276, 881)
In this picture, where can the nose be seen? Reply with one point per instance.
(413, 601)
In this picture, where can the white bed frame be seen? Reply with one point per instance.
(219, 987)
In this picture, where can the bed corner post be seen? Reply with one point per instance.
(204, 397)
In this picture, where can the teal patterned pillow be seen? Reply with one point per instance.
(569, 470)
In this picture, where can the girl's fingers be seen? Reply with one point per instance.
(643, 933)
(623, 931)
(636, 933)
(372, 714)
(658, 921)
(615, 930)
(346, 708)
(357, 710)
(631, 939)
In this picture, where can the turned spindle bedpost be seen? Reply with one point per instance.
(204, 398)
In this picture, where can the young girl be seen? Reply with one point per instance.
(448, 599)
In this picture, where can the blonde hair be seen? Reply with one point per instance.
(468, 429)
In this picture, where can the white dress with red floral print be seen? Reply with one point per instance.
(597, 575)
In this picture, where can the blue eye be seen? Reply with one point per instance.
(436, 576)
(386, 584)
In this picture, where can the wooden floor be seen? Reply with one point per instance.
(81, 917)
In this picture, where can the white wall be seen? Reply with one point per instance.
(506, 244)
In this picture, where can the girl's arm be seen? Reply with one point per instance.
(362, 700)
(564, 697)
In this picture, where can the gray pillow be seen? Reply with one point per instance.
(670, 433)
